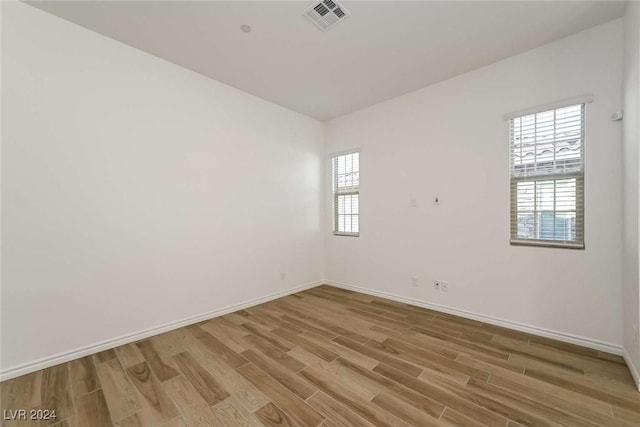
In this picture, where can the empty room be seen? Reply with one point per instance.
(320, 213)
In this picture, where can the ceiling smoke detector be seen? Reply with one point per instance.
(326, 13)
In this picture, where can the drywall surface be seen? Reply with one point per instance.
(631, 153)
(450, 140)
(136, 193)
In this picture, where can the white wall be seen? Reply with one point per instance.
(137, 193)
(449, 140)
(631, 153)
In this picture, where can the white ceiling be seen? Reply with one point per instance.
(386, 48)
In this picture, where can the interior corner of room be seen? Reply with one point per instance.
(246, 163)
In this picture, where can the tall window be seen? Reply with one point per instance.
(346, 194)
(547, 177)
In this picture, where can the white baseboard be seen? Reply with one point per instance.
(47, 362)
(632, 368)
(125, 339)
(534, 330)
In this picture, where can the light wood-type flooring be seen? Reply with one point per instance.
(330, 357)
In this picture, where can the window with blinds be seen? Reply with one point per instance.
(346, 194)
(547, 177)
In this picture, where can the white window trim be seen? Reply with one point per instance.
(584, 99)
(580, 197)
(334, 207)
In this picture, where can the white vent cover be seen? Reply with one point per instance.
(326, 13)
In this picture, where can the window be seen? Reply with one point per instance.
(346, 194)
(547, 177)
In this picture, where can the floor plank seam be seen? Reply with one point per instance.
(377, 353)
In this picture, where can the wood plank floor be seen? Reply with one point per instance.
(330, 357)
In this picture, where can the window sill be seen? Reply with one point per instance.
(346, 234)
(547, 244)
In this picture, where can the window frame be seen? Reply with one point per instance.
(579, 177)
(336, 194)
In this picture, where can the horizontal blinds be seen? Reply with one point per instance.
(547, 176)
(346, 193)
(347, 214)
(584, 99)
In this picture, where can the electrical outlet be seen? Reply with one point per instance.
(436, 285)
(282, 275)
(436, 201)
(413, 203)
(414, 282)
(444, 286)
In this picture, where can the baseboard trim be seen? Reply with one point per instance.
(632, 368)
(125, 339)
(534, 330)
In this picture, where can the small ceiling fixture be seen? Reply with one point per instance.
(326, 13)
(245, 28)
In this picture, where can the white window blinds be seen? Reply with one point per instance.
(547, 177)
(346, 194)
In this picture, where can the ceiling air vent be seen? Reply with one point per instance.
(326, 13)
